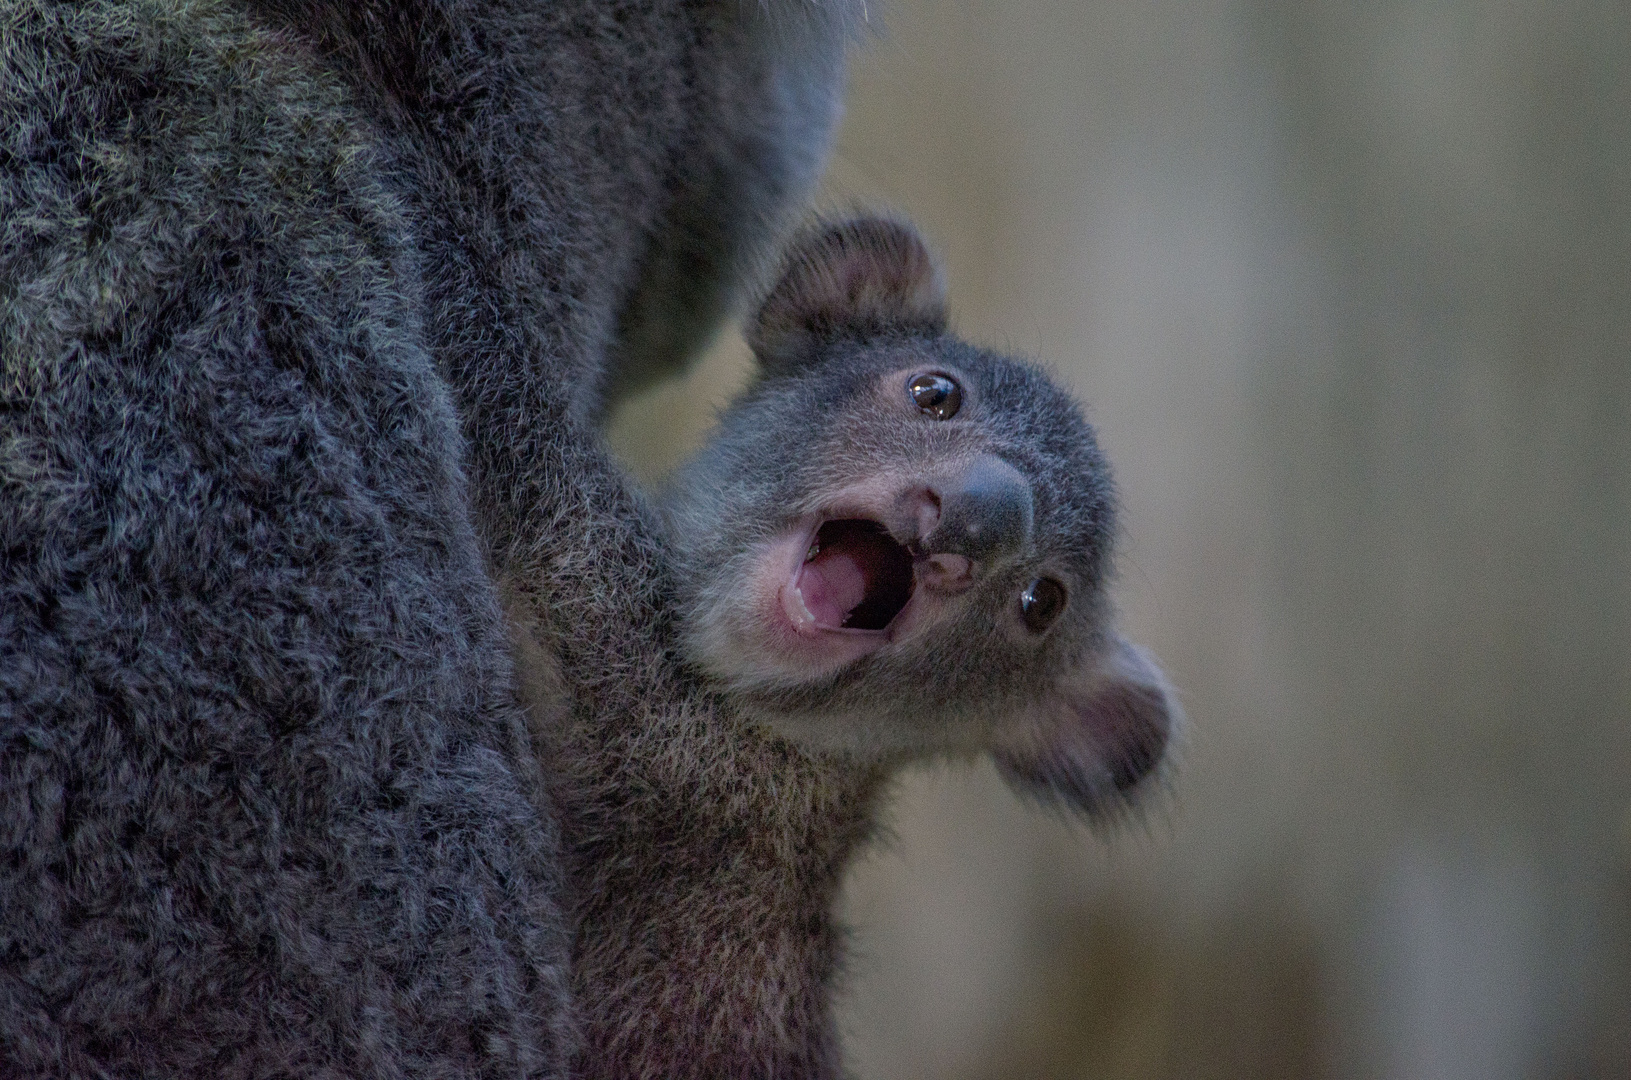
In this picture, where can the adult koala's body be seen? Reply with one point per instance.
(306, 313)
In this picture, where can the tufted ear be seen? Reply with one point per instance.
(849, 278)
(1097, 736)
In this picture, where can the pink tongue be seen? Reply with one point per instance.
(832, 584)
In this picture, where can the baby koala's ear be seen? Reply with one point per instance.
(851, 278)
(1097, 735)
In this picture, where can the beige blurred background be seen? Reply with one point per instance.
(1347, 291)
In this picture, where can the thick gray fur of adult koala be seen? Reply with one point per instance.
(307, 308)
(897, 544)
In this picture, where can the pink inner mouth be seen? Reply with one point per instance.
(855, 577)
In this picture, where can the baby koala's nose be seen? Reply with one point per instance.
(986, 512)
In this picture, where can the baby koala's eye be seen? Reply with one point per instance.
(1041, 603)
(936, 394)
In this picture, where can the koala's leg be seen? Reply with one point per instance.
(767, 100)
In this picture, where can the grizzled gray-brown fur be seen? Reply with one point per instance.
(307, 308)
(896, 544)
(860, 574)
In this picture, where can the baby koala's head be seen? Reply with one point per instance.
(897, 543)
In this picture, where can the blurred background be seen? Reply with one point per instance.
(1346, 289)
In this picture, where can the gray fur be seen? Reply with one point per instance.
(973, 507)
(306, 308)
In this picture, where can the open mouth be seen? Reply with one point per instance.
(854, 577)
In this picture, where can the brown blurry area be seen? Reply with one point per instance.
(1346, 290)
(1117, 998)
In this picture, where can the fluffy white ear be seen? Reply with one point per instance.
(859, 277)
(1098, 734)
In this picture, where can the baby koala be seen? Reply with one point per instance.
(897, 544)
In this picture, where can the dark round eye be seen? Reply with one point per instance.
(936, 394)
(1041, 603)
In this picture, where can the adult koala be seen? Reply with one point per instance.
(306, 314)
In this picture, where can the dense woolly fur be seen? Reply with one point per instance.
(306, 309)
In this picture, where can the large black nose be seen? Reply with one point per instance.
(986, 511)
